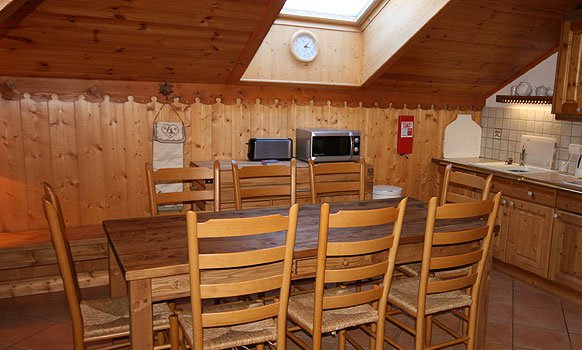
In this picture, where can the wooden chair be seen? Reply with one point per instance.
(323, 178)
(255, 182)
(330, 309)
(193, 195)
(464, 181)
(425, 296)
(268, 268)
(92, 320)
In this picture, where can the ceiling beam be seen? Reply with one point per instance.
(8, 7)
(261, 29)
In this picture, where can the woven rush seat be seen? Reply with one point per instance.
(404, 294)
(414, 270)
(110, 317)
(301, 310)
(231, 336)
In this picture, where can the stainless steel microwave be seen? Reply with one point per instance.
(327, 145)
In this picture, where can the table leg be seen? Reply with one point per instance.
(140, 311)
(117, 284)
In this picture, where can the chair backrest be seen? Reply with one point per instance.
(326, 178)
(277, 181)
(267, 268)
(195, 192)
(464, 182)
(328, 272)
(476, 242)
(65, 262)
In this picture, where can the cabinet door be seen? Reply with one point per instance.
(568, 89)
(499, 242)
(529, 236)
(566, 259)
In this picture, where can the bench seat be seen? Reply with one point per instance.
(28, 263)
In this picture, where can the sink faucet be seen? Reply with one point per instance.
(522, 155)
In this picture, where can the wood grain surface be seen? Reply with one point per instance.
(93, 152)
(156, 246)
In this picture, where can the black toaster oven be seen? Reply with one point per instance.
(270, 148)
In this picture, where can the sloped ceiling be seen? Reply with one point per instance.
(474, 47)
(182, 41)
(471, 47)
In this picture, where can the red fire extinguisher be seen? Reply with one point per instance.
(405, 134)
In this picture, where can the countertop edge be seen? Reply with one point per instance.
(458, 162)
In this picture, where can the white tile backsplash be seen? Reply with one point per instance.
(516, 122)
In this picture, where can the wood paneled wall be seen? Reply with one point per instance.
(94, 152)
(339, 62)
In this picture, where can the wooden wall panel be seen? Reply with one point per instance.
(94, 152)
(339, 61)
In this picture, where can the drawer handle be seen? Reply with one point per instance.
(578, 109)
(511, 204)
(530, 193)
(504, 202)
(345, 262)
(556, 216)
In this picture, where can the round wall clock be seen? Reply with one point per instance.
(304, 46)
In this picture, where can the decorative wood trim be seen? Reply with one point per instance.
(42, 89)
(256, 39)
(536, 100)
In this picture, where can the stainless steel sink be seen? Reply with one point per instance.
(512, 168)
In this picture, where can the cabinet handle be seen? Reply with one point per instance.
(511, 204)
(556, 215)
(529, 193)
(578, 109)
(503, 202)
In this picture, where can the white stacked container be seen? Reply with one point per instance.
(386, 192)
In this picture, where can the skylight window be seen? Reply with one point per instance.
(335, 10)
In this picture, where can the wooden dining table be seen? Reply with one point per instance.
(148, 257)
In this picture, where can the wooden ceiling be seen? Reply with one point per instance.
(475, 47)
(471, 47)
(205, 41)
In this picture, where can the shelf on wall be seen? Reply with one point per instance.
(536, 100)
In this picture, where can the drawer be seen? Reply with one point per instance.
(503, 185)
(569, 201)
(534, 193)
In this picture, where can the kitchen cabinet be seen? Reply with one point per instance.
(529, 236)
(566, 258)
(568, 85)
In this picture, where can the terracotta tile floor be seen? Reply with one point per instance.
(520, 317)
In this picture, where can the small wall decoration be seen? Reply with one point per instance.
(497, 134)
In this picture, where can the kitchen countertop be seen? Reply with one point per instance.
(552, 179)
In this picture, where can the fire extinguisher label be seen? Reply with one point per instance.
(407, 129)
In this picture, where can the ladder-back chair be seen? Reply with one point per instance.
(263, 269)
(329, 309)
(326, 178)
(426, 296)
(269, 182)
(99, 319)
(194, 194)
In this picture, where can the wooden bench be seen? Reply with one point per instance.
(28, 263)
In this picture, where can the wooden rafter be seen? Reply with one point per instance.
(261, 29)
(8, 7)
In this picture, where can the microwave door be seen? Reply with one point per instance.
(332, 148)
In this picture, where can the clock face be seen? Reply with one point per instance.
(304, 46)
